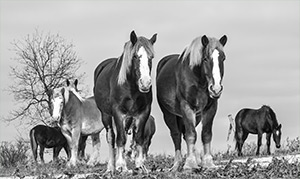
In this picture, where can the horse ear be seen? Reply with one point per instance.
(76, 83)
(223, 40)
(153, 39)
(133, 37)
(62, 91)
(204, 40)
(49, 92)
(68, 82)
(279, 127)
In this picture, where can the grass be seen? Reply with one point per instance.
(16, 160)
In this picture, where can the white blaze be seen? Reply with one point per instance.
(56, 106)
(144, 66)
(216, 70)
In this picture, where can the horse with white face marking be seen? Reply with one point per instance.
(122, 89)
(78, 117)
(188, 88)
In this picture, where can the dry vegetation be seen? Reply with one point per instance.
(16, 160)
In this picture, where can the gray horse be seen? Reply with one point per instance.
(78, 117)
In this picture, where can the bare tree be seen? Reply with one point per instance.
(44, 62)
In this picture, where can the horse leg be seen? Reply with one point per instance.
(140, 123)
(34, 144)
(171, 122)
(268, 137)
(132, 149)
(259, 136)
(68, 147)
(81, 146)
(110, 138)
(67, 150)
(34, 152)
(243, 139)
(189, 120)
(42, 153)
(56, 151)
(239, 139)
(120, 141)
(95, 158)
(74, 146)
(206, 136)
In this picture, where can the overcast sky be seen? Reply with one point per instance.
(262, 64)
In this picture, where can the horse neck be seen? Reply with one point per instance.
(272, 121)
(196, 72)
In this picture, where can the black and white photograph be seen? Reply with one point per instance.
(149, 89)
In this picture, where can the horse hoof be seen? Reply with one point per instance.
(190, 164)
(140, 170)
(207, 162)
(108, 174)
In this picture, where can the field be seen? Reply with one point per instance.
(284, 163)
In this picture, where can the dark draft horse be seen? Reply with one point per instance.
(188, 88)
(47, 137)
(257, 121)
(122, 89)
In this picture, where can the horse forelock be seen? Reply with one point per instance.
(66, 94)
(196, 51)
(128, 53)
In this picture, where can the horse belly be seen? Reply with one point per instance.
(91, 127)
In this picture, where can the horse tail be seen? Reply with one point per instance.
(33, 142)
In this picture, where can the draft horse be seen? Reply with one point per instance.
(257, 121)
(188, 88)
(78, 117)
(123, 93)
(47, 137)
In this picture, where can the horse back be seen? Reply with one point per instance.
(252, 121)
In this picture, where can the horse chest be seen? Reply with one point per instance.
(133, 105)
(195, 97)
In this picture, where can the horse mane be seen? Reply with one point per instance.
(128, 53)
(196, 51)
(272, 114)
(67, 93)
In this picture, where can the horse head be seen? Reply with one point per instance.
(60, 96)
(137, 61)
(213, 63)
(277, 135)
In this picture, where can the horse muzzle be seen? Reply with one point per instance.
(215, 91)
(144, 86)
(278, 146)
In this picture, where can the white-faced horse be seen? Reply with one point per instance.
(77, 117)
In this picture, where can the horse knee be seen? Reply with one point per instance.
(206, 136)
